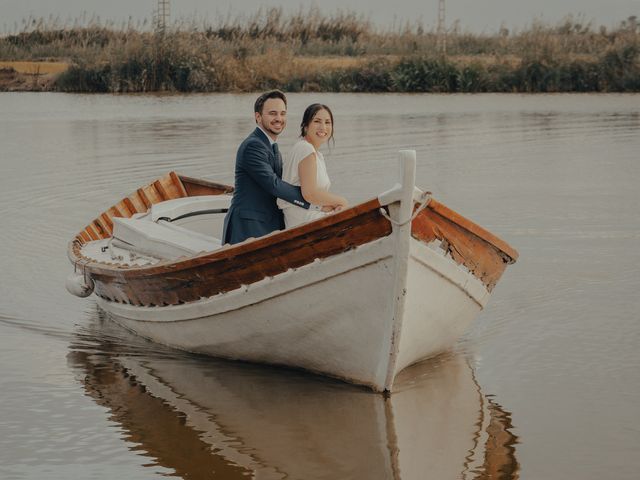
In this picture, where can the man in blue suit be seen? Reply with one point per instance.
(258, 175)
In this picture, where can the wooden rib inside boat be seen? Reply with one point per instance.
(430, 269)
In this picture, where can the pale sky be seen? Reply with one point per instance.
(474, 15)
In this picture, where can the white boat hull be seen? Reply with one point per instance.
(337, 317)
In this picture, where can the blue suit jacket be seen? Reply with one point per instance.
(258, 182)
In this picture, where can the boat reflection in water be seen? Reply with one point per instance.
(207, 418)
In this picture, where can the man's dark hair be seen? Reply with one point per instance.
(259, 105)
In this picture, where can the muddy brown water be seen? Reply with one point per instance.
(544, 385)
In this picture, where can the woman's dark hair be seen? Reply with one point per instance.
(308, 115)
(259, 105)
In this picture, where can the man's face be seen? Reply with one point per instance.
(273, 117)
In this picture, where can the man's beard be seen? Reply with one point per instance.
(267, 128)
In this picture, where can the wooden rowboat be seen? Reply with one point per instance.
(358, 295)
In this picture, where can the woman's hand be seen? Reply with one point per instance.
(341, 204)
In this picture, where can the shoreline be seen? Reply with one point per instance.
(316, 53)
(331, 74)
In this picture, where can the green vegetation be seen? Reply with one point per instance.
(344, 52)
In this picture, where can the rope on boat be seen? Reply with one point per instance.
(83, 264)
(426, 198)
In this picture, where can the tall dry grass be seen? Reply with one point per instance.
(309, 51)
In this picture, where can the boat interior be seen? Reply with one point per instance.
(178, 217)
(173, 217)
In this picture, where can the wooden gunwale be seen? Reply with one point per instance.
(482, 253)
(230, 268)
(198, 186)
(473, 228)
(248, 246)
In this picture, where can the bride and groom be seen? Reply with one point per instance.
(269, 196)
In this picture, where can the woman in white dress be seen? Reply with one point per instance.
(304, 166)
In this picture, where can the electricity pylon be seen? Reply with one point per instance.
(442, 30)
(162, 16)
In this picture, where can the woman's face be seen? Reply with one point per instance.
(320, 128)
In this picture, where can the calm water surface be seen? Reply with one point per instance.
(546, 385)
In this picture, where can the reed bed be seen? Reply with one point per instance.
(343, 52)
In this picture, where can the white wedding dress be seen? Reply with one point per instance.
(294, 215)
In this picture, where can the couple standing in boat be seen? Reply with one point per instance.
(270, 196)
